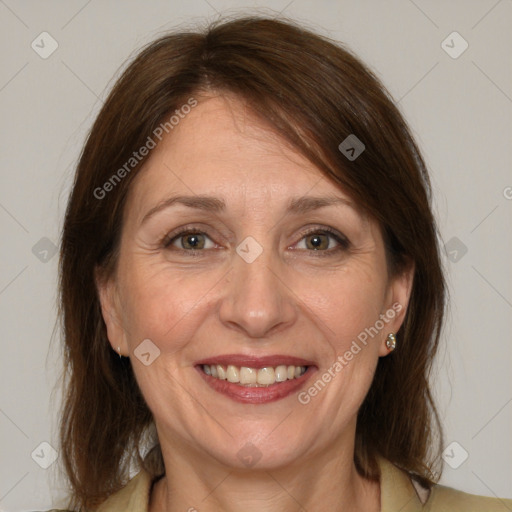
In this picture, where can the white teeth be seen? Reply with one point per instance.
(247, 375)
(266, 376)
(232, 374)
(281, 373)
(254, 377)
(221, 373)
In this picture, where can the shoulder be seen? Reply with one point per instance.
(446, 499)
(400, 492)
(133, 497)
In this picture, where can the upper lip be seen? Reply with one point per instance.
(252, 361)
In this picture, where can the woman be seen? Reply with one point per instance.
(251, 287)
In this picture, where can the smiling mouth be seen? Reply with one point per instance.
(254, 377)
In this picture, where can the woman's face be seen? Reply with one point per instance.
(237, 252)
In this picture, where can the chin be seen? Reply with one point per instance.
(259, 451)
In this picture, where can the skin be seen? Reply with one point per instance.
(291, 300)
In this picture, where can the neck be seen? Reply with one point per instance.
(323, 482)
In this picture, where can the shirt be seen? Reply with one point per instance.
(399, 493)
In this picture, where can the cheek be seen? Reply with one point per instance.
(345, 304)
(347, 310)
(165, 306)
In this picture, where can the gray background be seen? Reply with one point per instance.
(459, 109)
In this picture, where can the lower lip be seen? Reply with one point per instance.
(256, 395)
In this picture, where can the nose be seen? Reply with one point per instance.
(257, 301)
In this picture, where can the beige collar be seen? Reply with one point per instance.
(397, 492)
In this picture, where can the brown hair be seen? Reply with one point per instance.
(314, 93)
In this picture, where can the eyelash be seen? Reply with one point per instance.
(342, 241)
(190, 230)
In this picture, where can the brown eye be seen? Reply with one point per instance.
(323, 241)
(318, 241)
(192, 241)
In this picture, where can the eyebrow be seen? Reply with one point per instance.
(307, 204)
(299, 205)
(207, 203)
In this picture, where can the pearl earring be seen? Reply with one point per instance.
(391, 342)
(119, 350)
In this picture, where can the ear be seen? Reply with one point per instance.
(111, 311)
(396, 304)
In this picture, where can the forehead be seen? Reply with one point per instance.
(221, 148)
